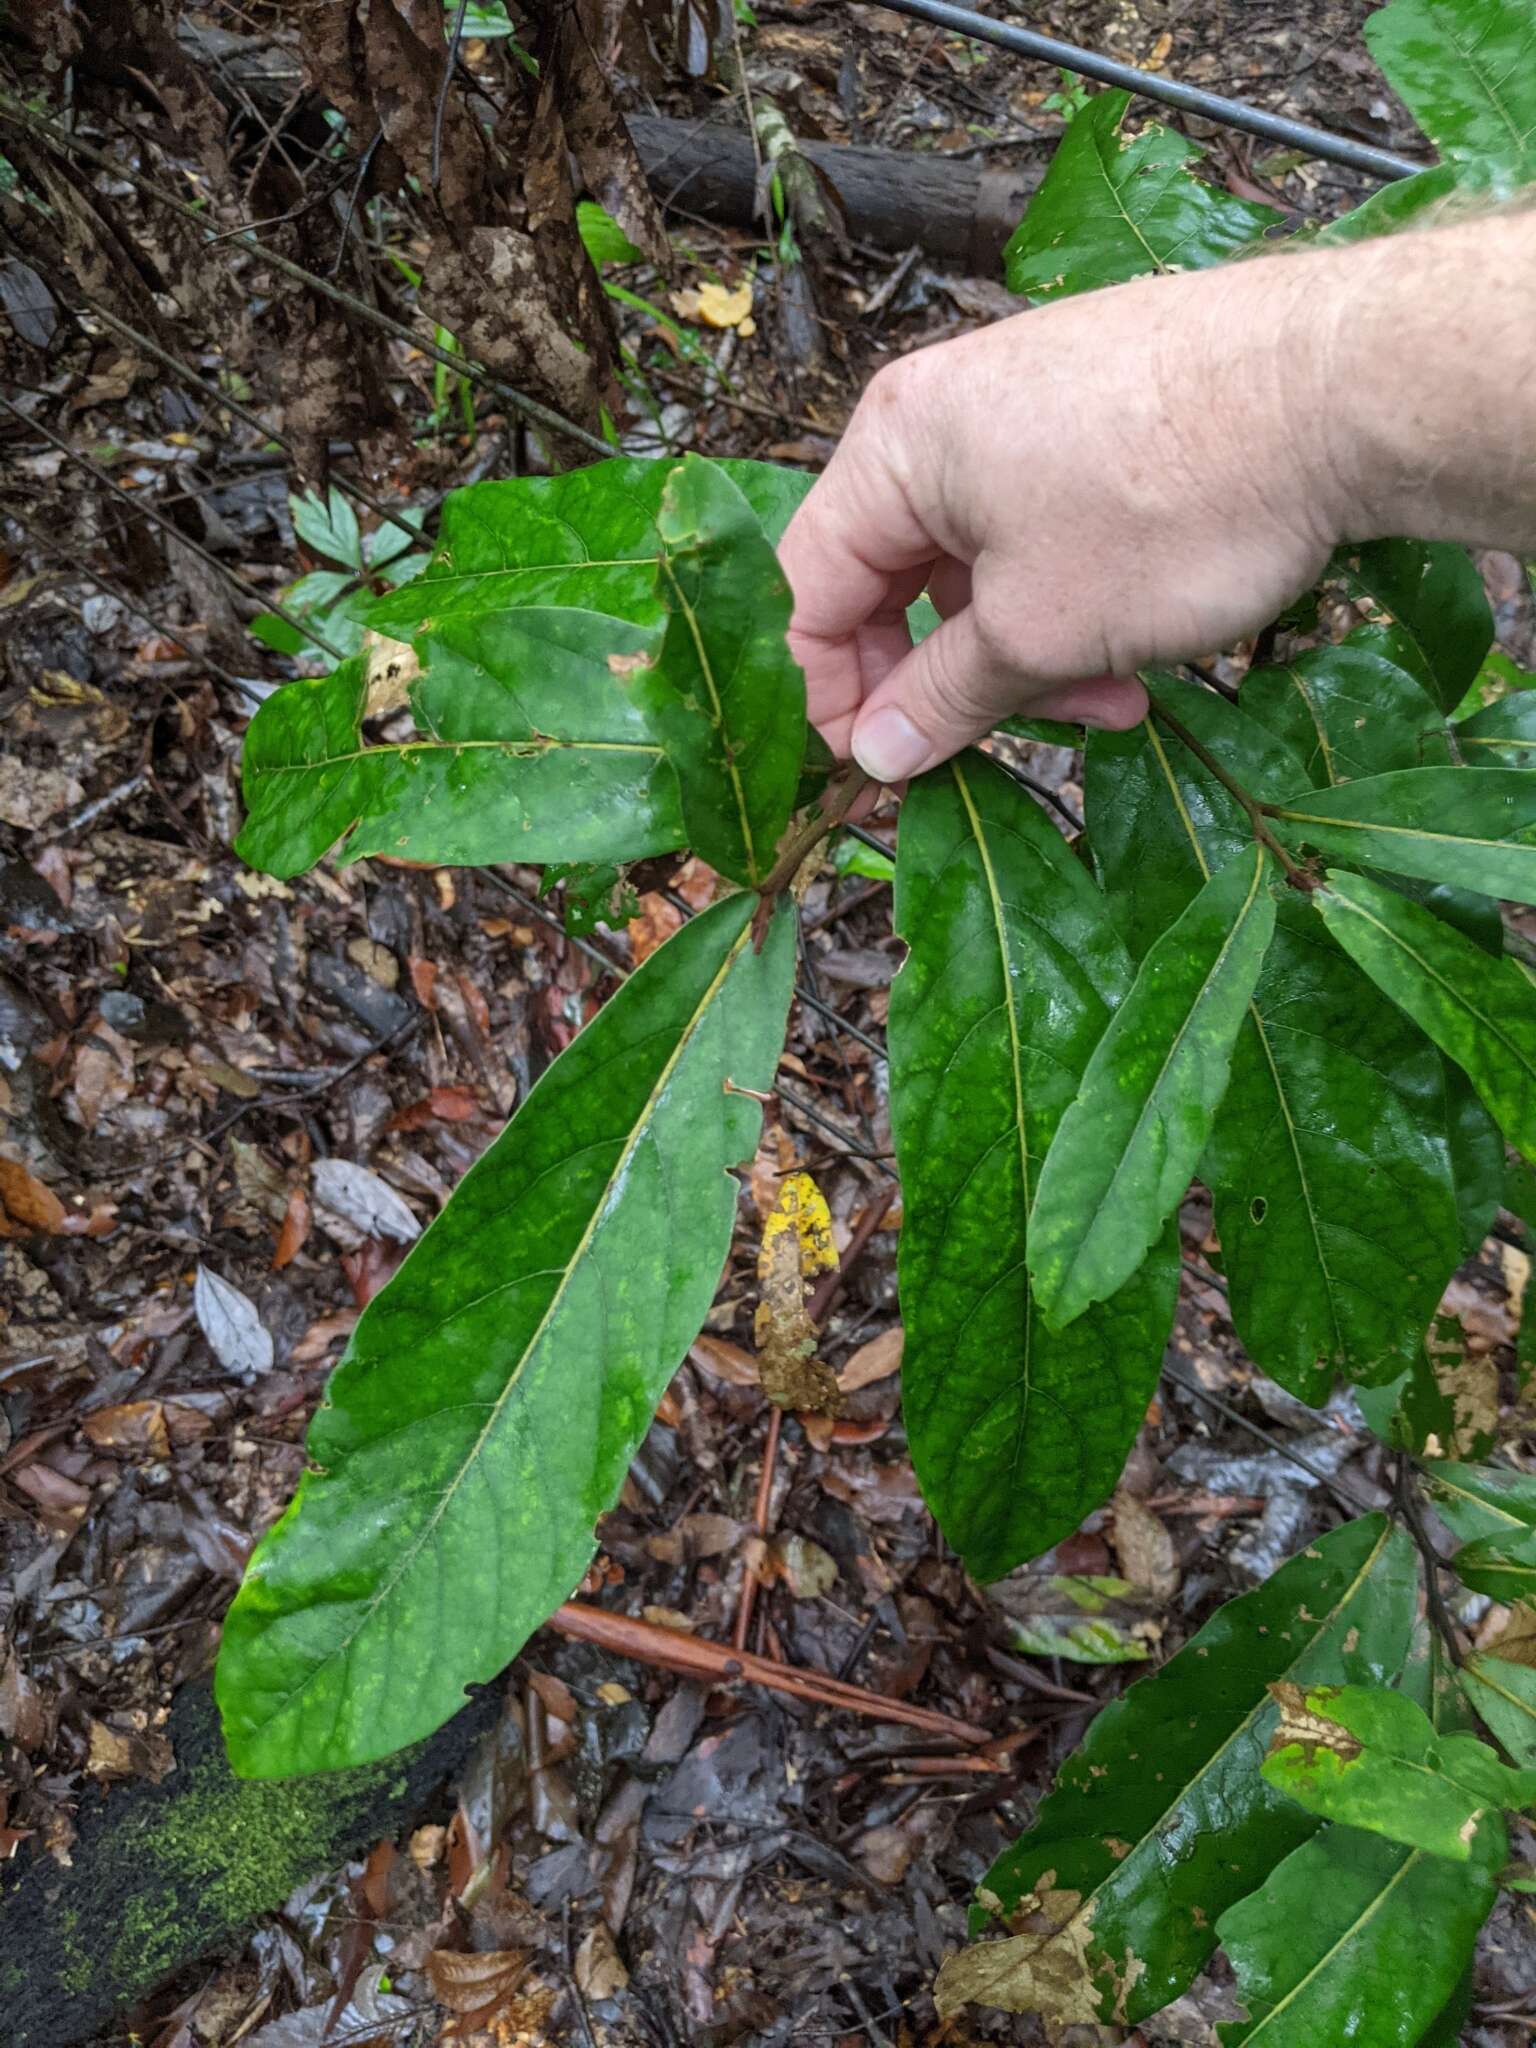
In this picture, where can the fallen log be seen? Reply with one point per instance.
(949, 207)
(162, 1873)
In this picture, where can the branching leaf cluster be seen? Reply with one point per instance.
(1280, 968)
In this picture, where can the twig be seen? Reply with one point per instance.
(831, 1285)
(1340, 1493)
(837, 802)
(760, 1514)
(1256, 812)
(455, 36)
(1407, 1503)
(717, 1664)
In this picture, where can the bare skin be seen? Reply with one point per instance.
(1148, 473)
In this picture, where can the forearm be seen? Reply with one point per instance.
(1424, 383)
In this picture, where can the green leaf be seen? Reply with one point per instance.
(561, 767)
(1449, 1398)
(1502, 1566)
(1012, 970)
(1504, 1696)
(1114, 207)
(1503, 735)
(1480, 1011)
(602, 237)
(1123, 1154)
(1353, 1938)
(1477, 1158)
(594, 892)
(1435, 593)
(1466, 71)
(1355, 708)
(1160, 1820)
(1330, 1165)
(725, 696)
(1401, 204)
(1474, 831)
(1356, 1938)
(1481, 1500)
(850, 856)
(1375, 1760)
(494, 1392)
(329, 526)
(1085, 1618)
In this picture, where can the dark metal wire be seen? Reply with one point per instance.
(1189, 99)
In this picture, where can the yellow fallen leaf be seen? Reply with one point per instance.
(715, 304)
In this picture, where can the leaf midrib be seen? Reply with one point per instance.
(1364, 1919)
(599, 1208)
(1174, 1047)
(706, 669)
(519, 749)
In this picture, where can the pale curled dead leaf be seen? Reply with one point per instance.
(230, 1322)
(356, 1198)
(598, 1967)
(1144, 1548)
(873, 1361)
(1043, 1969)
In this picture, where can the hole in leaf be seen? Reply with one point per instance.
(1258, 1208)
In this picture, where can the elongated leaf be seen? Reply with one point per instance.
(1466, 71)
(1330, 1163)
(1502, 735)
(494, 1392)
(1448, 1401)
(1374, 1759)
(1504, 1695)
(1482, 1500)
(1355, 1938)
(1473, 831)
(1502, 1566)
(1114, 207)
(1481, 1012)
(1434, 591)
(1161, 1819)
(1123, 1154)
(561, 768)
(1011, 975)
(1401, 204)
(725, 696)
(1356, 708)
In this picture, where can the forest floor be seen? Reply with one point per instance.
(204, 1070)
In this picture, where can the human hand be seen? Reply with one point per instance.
(1140, 475)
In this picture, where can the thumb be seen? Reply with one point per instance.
(953, 688)
(947, 692)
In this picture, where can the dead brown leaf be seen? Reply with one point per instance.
(598, 1967)
(26, 1205)
(116, 1755)
(1144, 1548)
(130, 1426)
(876, 1360)
(723, 1361)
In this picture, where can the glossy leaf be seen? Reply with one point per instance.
(1330, 1163)
(1435, 593)
(1466, 71)
(725, 696)
(1374, 1759)
(1122, 1157)
(1502, 735)
(1502, 1566)
(1504, 1696)
(1355, 1938)
(1482, 1500)
(562, 768)
(1404, 203)
(494, 1392)
(1446, 1403)
(1355, 708)
(1480, 1011)
(1473, 831)
(1161, 1819)
(1012, 971)
(1115, 206)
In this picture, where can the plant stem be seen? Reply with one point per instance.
(838, 801)
(1408, 1507)
(1256, 811)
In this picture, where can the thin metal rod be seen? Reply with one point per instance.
(1189, 99)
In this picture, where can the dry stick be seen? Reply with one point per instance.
(52, 547)
(531, 408)
(1341, 1493)
(1408, 1507)
(158, 518)
(716, 1664)
(189, 375)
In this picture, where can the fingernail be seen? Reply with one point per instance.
(889, 747)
